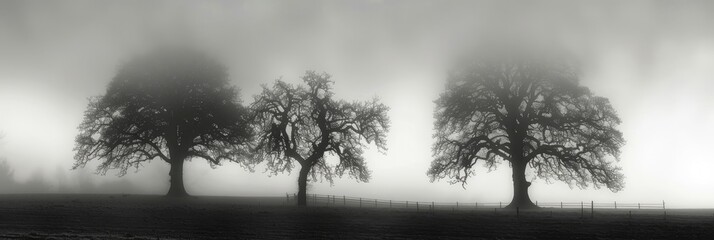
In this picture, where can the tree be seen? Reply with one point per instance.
(174, 106)
(304, 124)
(6, 173)
(531, 113)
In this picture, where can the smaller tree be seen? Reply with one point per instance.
(304, 124)
(173, 106)
(7, 181)
(6, 172)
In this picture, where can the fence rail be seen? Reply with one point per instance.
(347, 201)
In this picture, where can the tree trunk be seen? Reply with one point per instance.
(302, 186)
(520, 187)
(176, 179)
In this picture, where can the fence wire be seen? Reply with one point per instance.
(348, 201)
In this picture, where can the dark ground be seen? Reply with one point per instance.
(152, 217)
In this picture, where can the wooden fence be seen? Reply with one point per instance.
(347, 201)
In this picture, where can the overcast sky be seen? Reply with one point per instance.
(653, 59)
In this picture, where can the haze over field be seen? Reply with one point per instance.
(654, 60)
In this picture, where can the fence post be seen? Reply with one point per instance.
(500, 205)
(457, 204)
(390, 203)
(344, 200)
(375, 202)
(638, 206)
(582, 209)
(360, 202)
(407, 204)
(417, 206)
(561, 204)
(287, 196)
(432, 207)
(615, 204)
(592, 209)
(663, 205)
(476, 204)
(536, 203)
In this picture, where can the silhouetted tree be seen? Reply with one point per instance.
(304, 123)
(174, 106)
(6, 172)
(6, 175)
(529, 113)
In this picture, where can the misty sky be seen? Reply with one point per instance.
(653, 59)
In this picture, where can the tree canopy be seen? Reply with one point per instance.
(173, 106)
(305, 124)
(529, 113)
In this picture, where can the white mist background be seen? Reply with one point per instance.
(654, 61)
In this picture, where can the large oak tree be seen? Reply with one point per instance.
(305, 124)
(530, 113)
(168, 105)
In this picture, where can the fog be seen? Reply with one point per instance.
(653, 59)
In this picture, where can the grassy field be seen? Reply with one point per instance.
(152, 217)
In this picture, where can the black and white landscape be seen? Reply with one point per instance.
(356, 119)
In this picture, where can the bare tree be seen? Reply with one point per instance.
(304, 123)
(173, 106)
(529, 113)
(6, 173)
